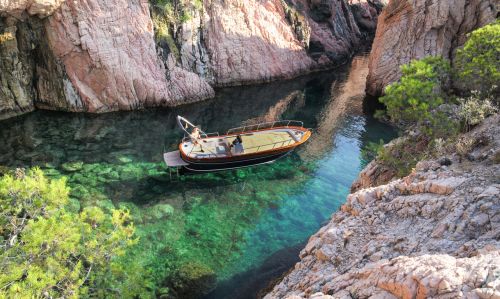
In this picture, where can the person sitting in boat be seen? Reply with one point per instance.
(237, 140)
(238, 144)
(196, 137)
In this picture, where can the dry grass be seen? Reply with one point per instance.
(465, 145)
(496, 157)
(6, 36)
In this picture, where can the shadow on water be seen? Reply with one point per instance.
(241, 226)
(253, 283)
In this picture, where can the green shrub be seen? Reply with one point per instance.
(478, 62)
(415, 102)
(418, 101)
(464, 146)
(438, 146)
(198, 4)
(372, 150)
(176, 12)
(162, 34)
(402, 155)
(167, 16)
(185, 16)
(399, 155)
(412, 102)
(47, 251)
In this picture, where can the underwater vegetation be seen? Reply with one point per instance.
(196, 231)
(192, 229)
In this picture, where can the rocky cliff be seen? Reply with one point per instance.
(21, 43)
(413, 29)
(434, 233)
(239, 42)
(86, 56)
(98, 56)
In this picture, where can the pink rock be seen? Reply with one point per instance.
(414, 29)
(101, 55)
(42, 8)
(108, 52)
(251, 41)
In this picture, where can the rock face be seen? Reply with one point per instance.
(434, 233)
(110, 57)
(251, 41)
(25, 55)
(16, 89)
(239, 42)
(86, 56)
(374, 174)
(413, 29)
(101, 55)
(17, 8)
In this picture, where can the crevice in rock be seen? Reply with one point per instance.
(298, 22)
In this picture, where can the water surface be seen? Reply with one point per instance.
(244, 227)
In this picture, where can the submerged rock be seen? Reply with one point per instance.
(72, 166)
(159, 211)
(194, 280)
(124, 159)
(79, 191)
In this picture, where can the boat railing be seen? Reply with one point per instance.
(202, 135)
(213, 134)
(274, 144)
(266, 125)
(258, 147)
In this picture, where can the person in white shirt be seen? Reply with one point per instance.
(238, 145)
(195, 138)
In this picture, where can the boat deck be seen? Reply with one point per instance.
(173, 159)
(252, 143)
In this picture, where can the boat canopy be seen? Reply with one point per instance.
(185, 124)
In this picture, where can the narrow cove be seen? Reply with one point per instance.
(230, 227)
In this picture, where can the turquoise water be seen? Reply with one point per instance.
(242, 228)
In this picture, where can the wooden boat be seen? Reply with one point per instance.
(239, 147)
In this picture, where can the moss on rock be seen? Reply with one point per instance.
(194, 280)
(72, 166)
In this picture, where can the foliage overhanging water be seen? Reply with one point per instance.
(225, 224)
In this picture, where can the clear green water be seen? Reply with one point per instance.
(245, 227)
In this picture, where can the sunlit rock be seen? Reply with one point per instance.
(414, 29)
(430, 234)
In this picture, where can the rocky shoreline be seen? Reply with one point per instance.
(100, 56)
(434, 233)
